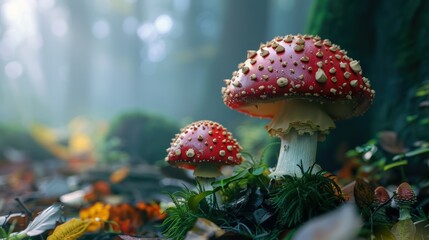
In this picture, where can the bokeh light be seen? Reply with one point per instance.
(163, 23)
(13, 70)
(101, 29)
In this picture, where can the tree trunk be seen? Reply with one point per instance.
(78, 88)
(241, 23)
(390, 39)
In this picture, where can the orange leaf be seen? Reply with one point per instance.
(119, 175)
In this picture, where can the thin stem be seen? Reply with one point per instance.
(404, 213)
(22, 205)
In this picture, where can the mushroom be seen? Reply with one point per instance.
(381, 195)
(204, 146)
(381, 200)
(404, 198)
(303, 84)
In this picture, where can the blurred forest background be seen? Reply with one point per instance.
(114, 68)
(63, 59)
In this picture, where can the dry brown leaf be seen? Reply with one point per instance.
(390, 142)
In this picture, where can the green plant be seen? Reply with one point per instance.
(243, 210)
(298, 199)
(4, 234)
(244, 199)
(417, 120)
(380, 163)
(180, 218)
(252, 204)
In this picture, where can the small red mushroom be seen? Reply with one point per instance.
(404, 198)
(381, 195)
(204, 146)
(382, 198)
(302, 83)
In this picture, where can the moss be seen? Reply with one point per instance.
(142, 136)
(298, 199)
(19, 138)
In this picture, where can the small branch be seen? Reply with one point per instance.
(26, 210)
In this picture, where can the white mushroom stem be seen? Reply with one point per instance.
(295, 151)
(206, 183)
(298, 124)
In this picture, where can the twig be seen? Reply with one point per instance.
(26, 210)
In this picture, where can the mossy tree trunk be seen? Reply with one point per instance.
(390, 38)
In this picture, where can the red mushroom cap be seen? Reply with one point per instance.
(381, 194)
(298, 67)
(405, 195)
(204, 142)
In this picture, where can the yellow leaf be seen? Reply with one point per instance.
(70, 230)
(47, 138)
(80, 143)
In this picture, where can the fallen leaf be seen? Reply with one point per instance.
(204, 229)
(341, 224)
(119, 175)
(363, 193)
(390, 142)
(404, 230)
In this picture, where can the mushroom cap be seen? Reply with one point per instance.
(298, 67)
(405, 195)
(204, 142)
(381, 195)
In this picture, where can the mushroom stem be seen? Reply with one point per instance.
(404, 213)
(295, 151)
(206, 182)
(298, 124)
(207, 170)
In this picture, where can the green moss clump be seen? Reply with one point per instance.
(141, 136)
(180, 218)
(19, 138)
(298, 199)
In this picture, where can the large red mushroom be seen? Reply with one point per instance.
(303, 84)
(205, 147)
